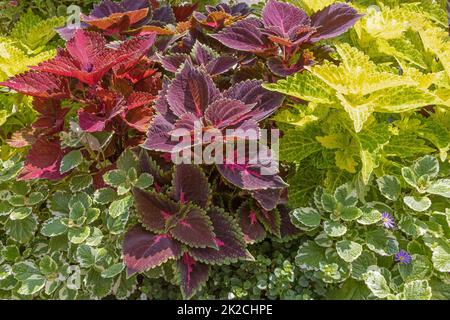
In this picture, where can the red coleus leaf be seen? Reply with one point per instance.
(190, 185)
(142, 70)
(138, 113)
(193, 275)
(51, 118)
(154, 209)
(193, 227)
(116, 22)
(143, 250)
(130, 52)
(87, 57)
(107, 105)
(248, 221)
(43, 161)
(183, 12)
(229, 241)
(39, 84)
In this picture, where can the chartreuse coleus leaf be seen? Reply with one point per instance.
(33, 32)
(358, 86)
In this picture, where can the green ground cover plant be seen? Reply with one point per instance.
(92, 205)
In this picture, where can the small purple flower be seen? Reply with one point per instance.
(403, 257)
(387, 220)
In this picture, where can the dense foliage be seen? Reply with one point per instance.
(93, 207)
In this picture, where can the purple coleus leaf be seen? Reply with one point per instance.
(252, 171)
(192, 98)
(200, 55)
(251, 92)
(164, 14)
(229, 241)
(191, 91)
(240, 9)
(193, 228)
(268, 199)
(143, 250)
(190, 185)
(248, 222)
(282, 18)
(333, 21)
(226, 112)
(154, 209)
(244, 35)
(159, 135)
(193, 274)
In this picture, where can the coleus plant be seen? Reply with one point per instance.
(288, 29)
(192, 99)
(113, 84)
(221, 15)
(181, 225)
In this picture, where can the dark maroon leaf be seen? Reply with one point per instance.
(194, 229)
(143, 250)
(149, 165)
(51, 118)
(248, 221)
(154, 209)
(271, 221)
(190, 185)
(267, 199)
(193, 275)
(229, 241)
(287, 230)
